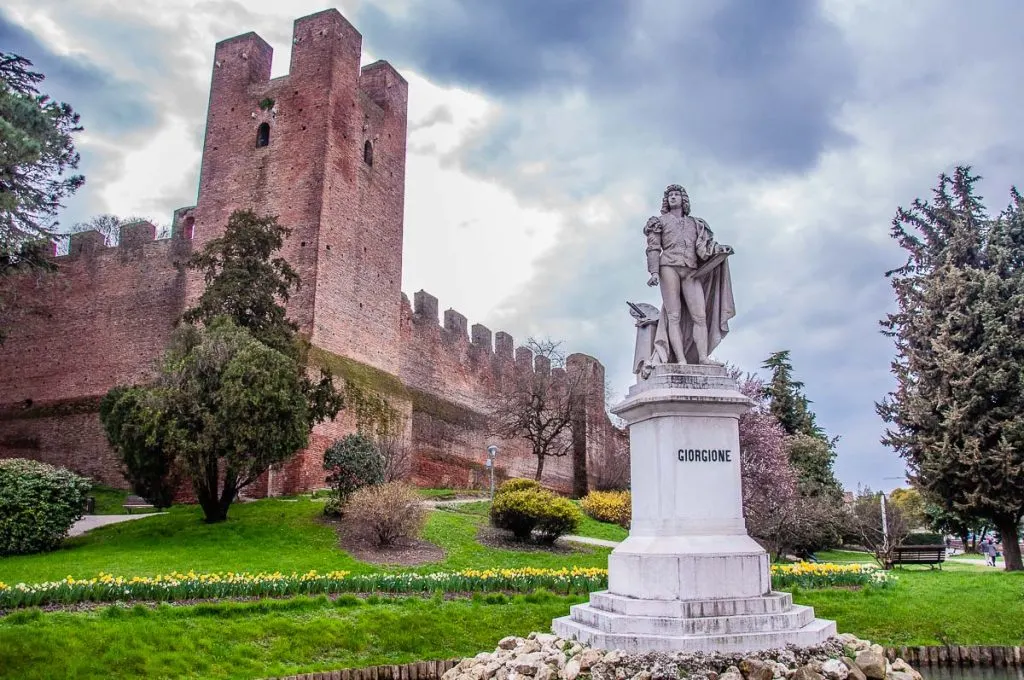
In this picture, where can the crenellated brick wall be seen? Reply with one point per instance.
(333, 171)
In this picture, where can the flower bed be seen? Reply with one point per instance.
(827, 575)
(191, 586)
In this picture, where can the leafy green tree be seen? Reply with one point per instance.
(225, 407)
(245, 281)
(233, 396)
(911, 504)
(352, 463)
(129, 417)
(813, 458)
(36, 149)
(957, 413)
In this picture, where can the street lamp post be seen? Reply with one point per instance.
(492, 452)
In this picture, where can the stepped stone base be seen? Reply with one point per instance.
(749, 624)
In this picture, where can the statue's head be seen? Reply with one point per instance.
(675, 195)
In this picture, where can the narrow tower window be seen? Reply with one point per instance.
(263, 134)
(368, 153)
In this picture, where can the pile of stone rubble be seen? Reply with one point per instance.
(543, 656)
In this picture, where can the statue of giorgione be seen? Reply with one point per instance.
(692, 271)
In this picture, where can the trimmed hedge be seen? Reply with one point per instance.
(38, 505)
(924, 538)
(535, 511)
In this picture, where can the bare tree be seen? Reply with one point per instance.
(538, 405)
(867, 526)
(396, 453)
(110, 226)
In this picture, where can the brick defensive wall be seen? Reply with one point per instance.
(323, 148)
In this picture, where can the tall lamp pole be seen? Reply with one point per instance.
(492, 452)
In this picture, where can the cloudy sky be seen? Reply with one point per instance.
(542, 133)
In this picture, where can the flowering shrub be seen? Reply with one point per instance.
(178, 586)
(826, 575)
(609, 506)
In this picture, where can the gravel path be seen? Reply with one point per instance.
(90, 522)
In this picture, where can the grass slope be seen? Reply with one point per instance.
(930, 607)
(270, 638)
(269, 535)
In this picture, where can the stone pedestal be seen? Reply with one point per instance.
(689, 577)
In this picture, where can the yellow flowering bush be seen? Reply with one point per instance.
(826, 575)
(609, 506)
(178, 586)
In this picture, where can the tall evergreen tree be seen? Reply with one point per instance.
(957, 413)
(811, 452)
(788, 403)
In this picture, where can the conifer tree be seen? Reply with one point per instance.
(811, 452)
(957, 413)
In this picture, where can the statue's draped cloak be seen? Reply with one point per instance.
(719, 308)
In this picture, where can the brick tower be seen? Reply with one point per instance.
(323, 149)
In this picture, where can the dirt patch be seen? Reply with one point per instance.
(410, 552)
(503, 540)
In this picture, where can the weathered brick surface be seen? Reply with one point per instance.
(107, 316)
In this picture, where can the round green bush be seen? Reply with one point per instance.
(518, 484)
(352, 463)
(534, 510)
(38, 505)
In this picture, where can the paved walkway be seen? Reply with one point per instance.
(589, 541)
(90, 522)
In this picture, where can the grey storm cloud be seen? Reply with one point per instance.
(753, 81)
(602, 103)
(106, 102)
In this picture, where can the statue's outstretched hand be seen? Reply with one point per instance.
(722, 249)
(653, 281)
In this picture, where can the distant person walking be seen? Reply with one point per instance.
(989, 549)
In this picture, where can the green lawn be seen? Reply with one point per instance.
(450, 494)
(965, 606)
(269, 638)
(269, 535)
(110, 501)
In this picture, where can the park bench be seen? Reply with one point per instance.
(932, 555)
(136, 503)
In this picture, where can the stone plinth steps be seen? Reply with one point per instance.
(688, 578)
(727, 625)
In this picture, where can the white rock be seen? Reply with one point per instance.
(612, 657)
(834, 669)
(900, 665)
(543, 672)
(588, 657)
(571, 670)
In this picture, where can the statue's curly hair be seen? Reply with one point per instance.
(679, 188)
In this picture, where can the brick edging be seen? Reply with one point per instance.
(418, 670)
(958, 655)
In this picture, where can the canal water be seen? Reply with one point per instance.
(971, 673)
